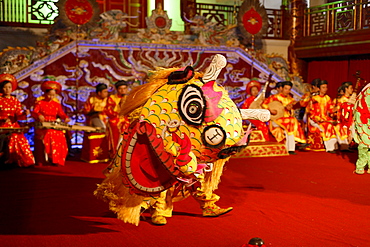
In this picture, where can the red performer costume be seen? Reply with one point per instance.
(94, 107)
(51, 142)
(116, 122)
(253, 88)
(10, 111)
(345, 114)
(321, 122)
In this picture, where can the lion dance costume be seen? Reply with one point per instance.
(361, 117)
(181, 124)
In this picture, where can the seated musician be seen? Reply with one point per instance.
(344, 116)
(305, 102)
(50, 144)
(253, 88)
(321, 122)
(14, 145)
(306, 98)
(113, 108)
(95, 105)
(286, 127)
(279, 87)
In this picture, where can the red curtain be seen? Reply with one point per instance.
(361, 65)
(334, 72)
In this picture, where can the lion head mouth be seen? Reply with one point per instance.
(239, 146)
(227, 152)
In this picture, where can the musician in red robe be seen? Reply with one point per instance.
(116, 121)
(253, 88)
(94, 107)
(345, 115)
(10, 111)
(50, 142)
(286, 127)
(321, 122)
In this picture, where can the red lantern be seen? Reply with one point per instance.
(79, 11)
(252, 21)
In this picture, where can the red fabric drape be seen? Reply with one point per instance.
(335, 72)
(361, 65)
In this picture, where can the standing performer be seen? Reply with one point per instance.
(50, 144)
(113, 110)
(321, 122)
(94, 107)
(361, 117)
(10, 111)
(253, 88)
(286, 127)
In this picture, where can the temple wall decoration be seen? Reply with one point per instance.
(80, 57)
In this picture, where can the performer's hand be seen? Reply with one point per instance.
(273, 112)
(352, 100)
(289, 107)
(41, 118)
(27, 112)
(67, 120)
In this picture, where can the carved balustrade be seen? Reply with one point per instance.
(337, 17)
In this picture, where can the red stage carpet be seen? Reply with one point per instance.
(309, 199)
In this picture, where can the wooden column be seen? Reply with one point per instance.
(189, 9)
(297, 8)
(161, 2)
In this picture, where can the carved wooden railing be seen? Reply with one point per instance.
(225, 15)
(42, 13)
(22, 13)
(337, 17)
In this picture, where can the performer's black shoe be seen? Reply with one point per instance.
(292, 152)
(347, 151)
(331, 152)
(303, 145)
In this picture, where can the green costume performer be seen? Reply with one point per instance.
(361, 115)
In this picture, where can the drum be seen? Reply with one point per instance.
(278, 106)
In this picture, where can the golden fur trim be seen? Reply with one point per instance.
(127, 206)
(213, 178)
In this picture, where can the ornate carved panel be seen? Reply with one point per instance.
(318, 23)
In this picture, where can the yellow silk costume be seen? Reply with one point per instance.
(322, 106)
(288, 122)
(344, 116)
(96, 104)
(116, 121)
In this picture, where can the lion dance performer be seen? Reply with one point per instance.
(361, 117)
(180, 123)
(10, 111)
(50, 144)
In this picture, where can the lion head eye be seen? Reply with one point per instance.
(214, 136)
(192, 105)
